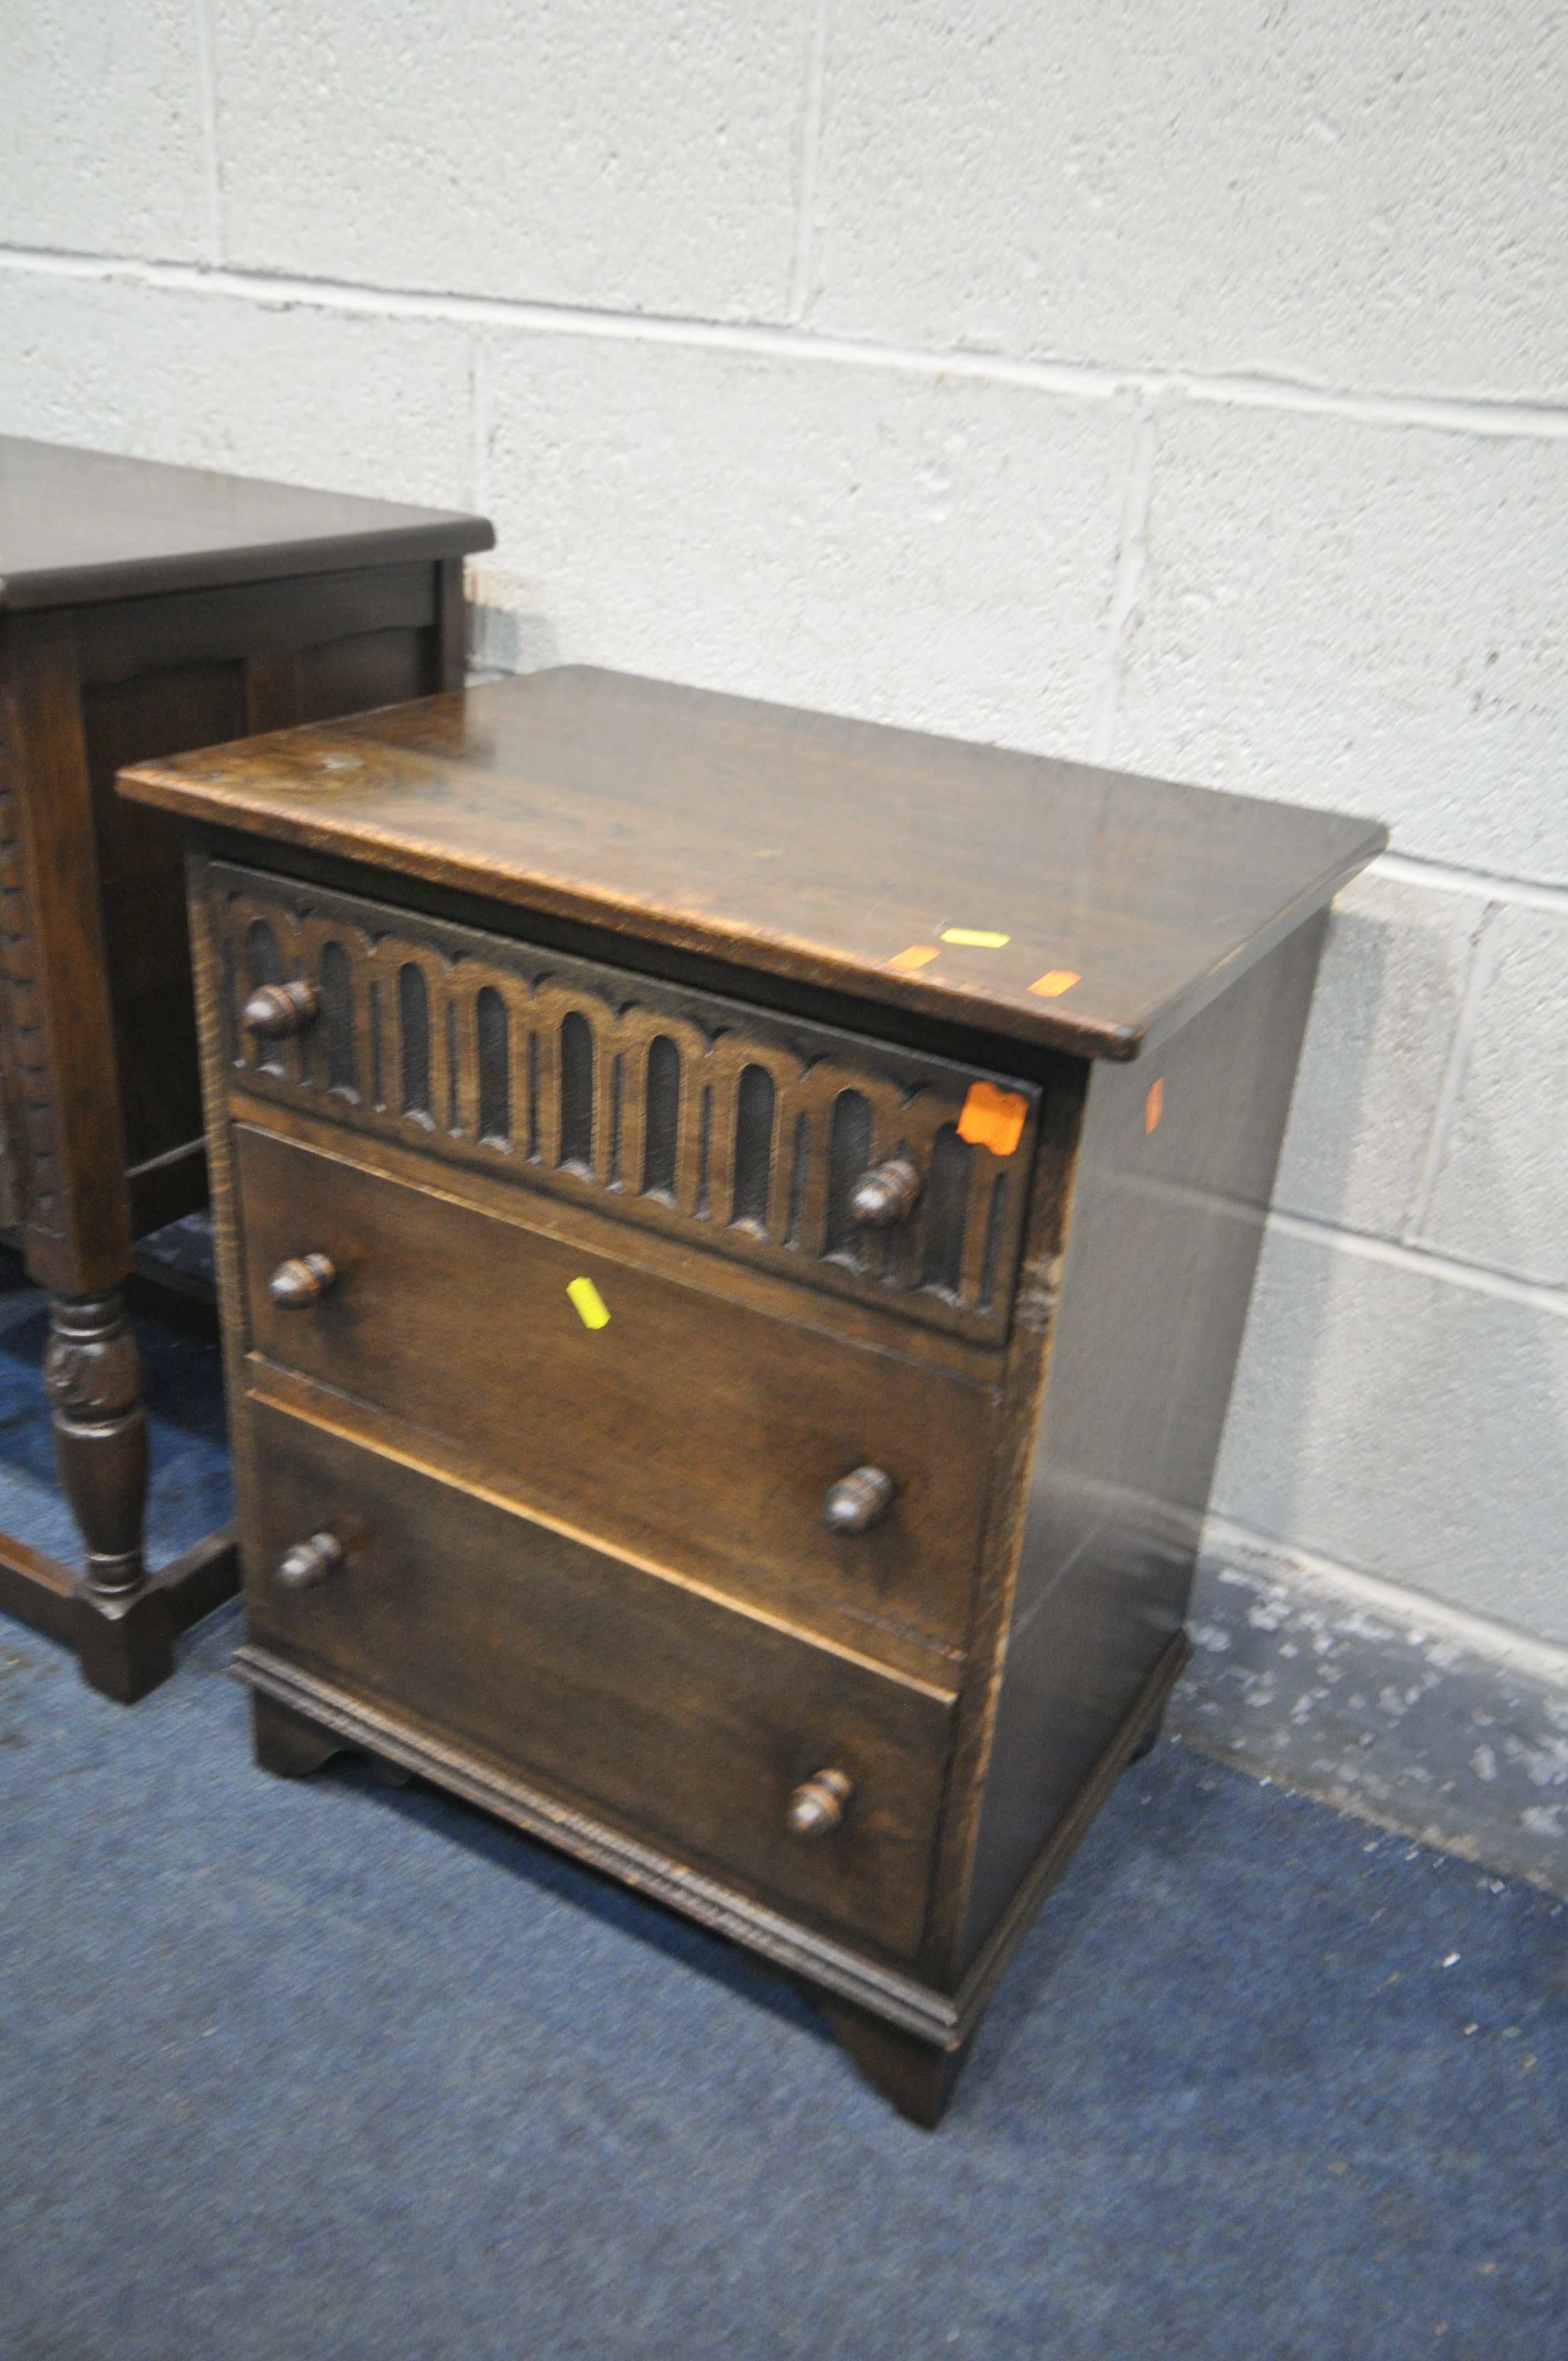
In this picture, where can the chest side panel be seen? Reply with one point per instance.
(1164, 1227)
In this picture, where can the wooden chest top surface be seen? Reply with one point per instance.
(1101, 910)
(80, 526)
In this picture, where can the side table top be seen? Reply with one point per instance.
(81, 526)
(1073, 908)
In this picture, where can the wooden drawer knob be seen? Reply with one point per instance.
(301, 1281)
(855, 1502)
(310, 1562)
(816, 1806)
(886, 1195)
(274, 1010)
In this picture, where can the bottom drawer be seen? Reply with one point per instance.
(687, 1722)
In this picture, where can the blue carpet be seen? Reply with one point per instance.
(318, 2068)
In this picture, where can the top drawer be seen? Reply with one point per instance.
(730, 1125)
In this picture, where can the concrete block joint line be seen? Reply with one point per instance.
(1080, 380)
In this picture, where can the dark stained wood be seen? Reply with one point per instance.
(92, 1377)
(1163, 1246)
(298, 1282)
(854, 1319)
(1051, 1200)
(919, 2077)
(286, 1744)
(266, 620)
(646, 1701)
(834, 851)
(608, 1578)
(450, 622)
(687, 1428)
(272, 690)
(818, 1806)
(67, 1136)
(124, 1641)
(1128, 1742)
(681, 1110)
(374, 1729)
(142, 610)
(146, 943)
(78, 526)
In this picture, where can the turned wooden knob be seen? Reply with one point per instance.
(310, 1562)
(277, 1009)
(857, 1499)
(817, 1804)
(301, 1281)
(887, 1194)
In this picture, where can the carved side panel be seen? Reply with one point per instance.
(669, 1107)
(29, 1135)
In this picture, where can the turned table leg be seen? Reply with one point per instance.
(92, 1376)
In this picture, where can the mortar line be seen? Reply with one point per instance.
(207, 81)
(1127, 588)
(806, 163)
(1483, 957)
(1445, 877)
(1073, 380)
(1476, 1279)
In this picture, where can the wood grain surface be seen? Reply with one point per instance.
(79, 525)
(692, 1722)
(801, 845)
(687, 1428)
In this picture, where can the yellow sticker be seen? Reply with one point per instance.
(1154, 1107)
(974, 938)
(993, 1118)
(1059, 980)
(587, 1303)
(918, 955)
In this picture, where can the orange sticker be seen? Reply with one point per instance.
(1059, 980)
(1153, 1106)
(993, 1118)
(918, 955)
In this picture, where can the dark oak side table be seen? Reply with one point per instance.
(734, 1230)
(144, 609)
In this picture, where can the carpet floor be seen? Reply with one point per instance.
(319, 2068)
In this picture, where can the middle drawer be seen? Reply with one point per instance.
(696, 1432)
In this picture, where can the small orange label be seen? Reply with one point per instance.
(993, 1118)
(918, 955)
(1059, 980)
(1153, 1106)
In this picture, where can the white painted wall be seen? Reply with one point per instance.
(1185, 386)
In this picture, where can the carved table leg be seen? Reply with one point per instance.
(918, 2078)
(61, 1087)
(93, 1376)
(287, 1743)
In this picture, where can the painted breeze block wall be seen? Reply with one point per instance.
(1179, 389)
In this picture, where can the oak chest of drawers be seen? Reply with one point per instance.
(735, 1230)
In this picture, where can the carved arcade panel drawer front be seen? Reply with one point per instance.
(861, 1167)
(686, 1428)
(696, 1725)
